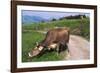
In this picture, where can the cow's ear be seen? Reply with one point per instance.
(37, 43)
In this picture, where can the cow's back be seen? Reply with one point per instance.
(59, 35)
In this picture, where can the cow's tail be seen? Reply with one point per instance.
(68, 32)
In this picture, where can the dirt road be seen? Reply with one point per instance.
(79, 48)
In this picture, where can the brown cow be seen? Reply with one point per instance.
(54, 38)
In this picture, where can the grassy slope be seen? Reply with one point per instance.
(29, 38)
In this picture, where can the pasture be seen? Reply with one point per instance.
(30, 36)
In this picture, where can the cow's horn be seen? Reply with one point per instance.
(37, 43)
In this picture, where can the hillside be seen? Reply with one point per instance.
(77, 26)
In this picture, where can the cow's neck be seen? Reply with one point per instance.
(44, 43)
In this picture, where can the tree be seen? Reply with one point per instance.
(84, 16)
(42, 21)
(53, 19)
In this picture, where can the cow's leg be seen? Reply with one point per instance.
(49, 48)
(68, 51)
(62, 47)
(67, 48)
(57, 49)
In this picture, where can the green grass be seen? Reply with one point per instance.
(30, 37)
(29, 40)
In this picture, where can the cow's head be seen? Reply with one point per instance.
(35, 51)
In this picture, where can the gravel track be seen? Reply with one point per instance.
(79, 48)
